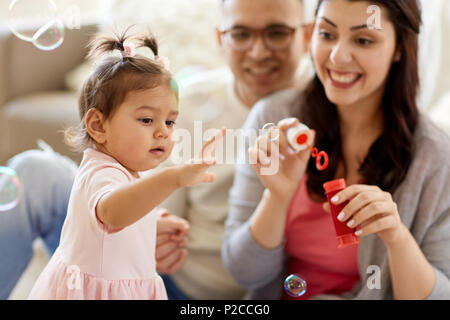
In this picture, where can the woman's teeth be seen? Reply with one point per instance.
(260, 71)
(344, 78)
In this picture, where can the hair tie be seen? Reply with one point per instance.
(127, 52)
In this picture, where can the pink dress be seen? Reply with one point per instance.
(94, 261)
(312, 248)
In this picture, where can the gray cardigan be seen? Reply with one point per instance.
(423, 201)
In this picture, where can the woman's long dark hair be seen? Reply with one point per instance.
(390, 156)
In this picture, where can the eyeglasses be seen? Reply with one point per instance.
(277, 37)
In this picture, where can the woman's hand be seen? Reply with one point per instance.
(194, 171)
(281, 178)
(373, 210)
(171, 241)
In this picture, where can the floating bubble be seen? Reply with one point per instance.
(26, 17)
(295, 286)
(10, 189)
(50, 36)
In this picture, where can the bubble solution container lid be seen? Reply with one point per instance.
(347, 240)
(334, 185)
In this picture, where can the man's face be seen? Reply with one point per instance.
(260, 70)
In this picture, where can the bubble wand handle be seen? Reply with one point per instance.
(300, 138)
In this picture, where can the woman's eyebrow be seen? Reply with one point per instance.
(328, 21)
(363, 26)
(355, 28)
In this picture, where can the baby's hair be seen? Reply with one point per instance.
(114, 76)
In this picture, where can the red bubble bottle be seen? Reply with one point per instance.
(345, 235)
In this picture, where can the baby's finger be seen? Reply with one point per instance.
(170, 224)
(179, 234)
(162, 238)
(209, 148)
(172, 262)
(166, 249)
(182, 243)
(175, 266)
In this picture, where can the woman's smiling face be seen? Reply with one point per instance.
(352, 59)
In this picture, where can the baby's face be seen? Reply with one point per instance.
(139, 134)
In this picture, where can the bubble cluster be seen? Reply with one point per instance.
(295, 286)
(36, 21)
(10, 189)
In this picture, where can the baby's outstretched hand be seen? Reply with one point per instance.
(194, 171)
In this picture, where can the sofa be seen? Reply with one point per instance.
(35, 102)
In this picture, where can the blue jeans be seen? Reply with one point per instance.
(173, 292)
(47, 179)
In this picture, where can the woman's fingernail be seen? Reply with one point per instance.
(350, 223)
(335, 199)
(341, 216)
(358, 233)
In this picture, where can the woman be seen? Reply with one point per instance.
(362, 108)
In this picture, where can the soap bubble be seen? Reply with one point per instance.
(295, 286)
(50, 36)
(26, 17)
(36, 21)
(10, 189)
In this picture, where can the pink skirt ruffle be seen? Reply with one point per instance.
(61, 282)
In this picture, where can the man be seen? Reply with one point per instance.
(262, 42)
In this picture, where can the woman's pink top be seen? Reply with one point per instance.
(311, 245)
(92, 260)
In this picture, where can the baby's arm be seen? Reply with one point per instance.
(129, 203)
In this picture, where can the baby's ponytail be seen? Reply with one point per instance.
(102, 44)
(149, 41)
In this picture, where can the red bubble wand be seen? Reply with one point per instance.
(299, 138)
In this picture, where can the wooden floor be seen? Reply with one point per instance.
(32, 272)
